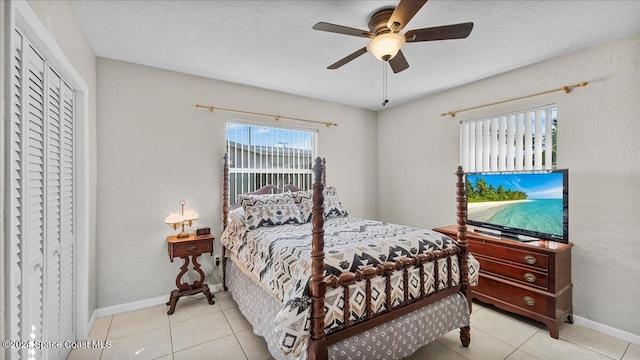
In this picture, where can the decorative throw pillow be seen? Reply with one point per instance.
(332, 205)
(300, 196)
(236, 217)
(270, 210)
(304, 199)
(330, 190)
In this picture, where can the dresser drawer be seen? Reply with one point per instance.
(191, 248)
(522, 257)
(516, 296)
(515, 273)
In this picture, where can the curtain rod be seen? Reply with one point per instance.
(567, 89)
(277, 117)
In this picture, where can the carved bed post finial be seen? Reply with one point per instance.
(317, 285)
(461, 214)
(225, 214)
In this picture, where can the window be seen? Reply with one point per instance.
(266, 155)
(518, 140)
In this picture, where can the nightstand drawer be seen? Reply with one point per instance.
(522, 257)
(516, 273)
(191, 248)
(520, 297)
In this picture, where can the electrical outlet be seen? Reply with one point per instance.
(216, 260)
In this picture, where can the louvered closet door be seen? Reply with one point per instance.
(41, 205)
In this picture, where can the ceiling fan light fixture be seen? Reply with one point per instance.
(385, 46)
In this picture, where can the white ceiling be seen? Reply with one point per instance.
(270, 44)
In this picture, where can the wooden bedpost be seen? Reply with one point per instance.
(324, 171)
(461, 214)
(317, 286)
(225, 215)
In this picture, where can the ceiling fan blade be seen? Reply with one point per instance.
(404, 12)
(447, 32)
(346, 59)
(398, 63)
(339, 29)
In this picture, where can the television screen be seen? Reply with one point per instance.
(523, 205)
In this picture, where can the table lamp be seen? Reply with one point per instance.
(183, 218)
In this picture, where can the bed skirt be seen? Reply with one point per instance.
(396, 339)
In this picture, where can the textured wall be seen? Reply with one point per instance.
(155, 148)
(598, 135)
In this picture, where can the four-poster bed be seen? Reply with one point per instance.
(333, 303)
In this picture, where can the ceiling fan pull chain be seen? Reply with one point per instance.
(384, 83)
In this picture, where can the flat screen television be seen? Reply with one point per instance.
(523, 205)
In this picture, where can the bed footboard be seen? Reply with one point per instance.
(406, 269)
(318, 286)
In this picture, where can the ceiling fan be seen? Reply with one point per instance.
(386, 41)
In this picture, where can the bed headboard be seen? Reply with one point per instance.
(267, 189)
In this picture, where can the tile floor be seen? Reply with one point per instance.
(198, 330)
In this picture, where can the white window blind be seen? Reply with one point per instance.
(518, 140)
(41, 214)
(264, 155)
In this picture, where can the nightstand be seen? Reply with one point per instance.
(184, 248)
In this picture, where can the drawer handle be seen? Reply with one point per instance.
(530, 277)
(529, 259)
(529, 300)
(192, 248)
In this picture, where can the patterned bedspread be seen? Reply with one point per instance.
(393, 340)
(279, 257)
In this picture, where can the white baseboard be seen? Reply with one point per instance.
(138, 305)
(607, 330)
(131, 306)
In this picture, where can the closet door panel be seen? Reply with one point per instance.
(40, 205)
(15, 196)
(34, 240)
(52, 259)
(67, 213)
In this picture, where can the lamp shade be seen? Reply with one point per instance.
(190, 215)
(385, 46)
(173, 218)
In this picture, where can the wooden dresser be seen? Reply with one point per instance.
(532, 279)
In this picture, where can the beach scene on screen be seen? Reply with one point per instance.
(524, 201)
